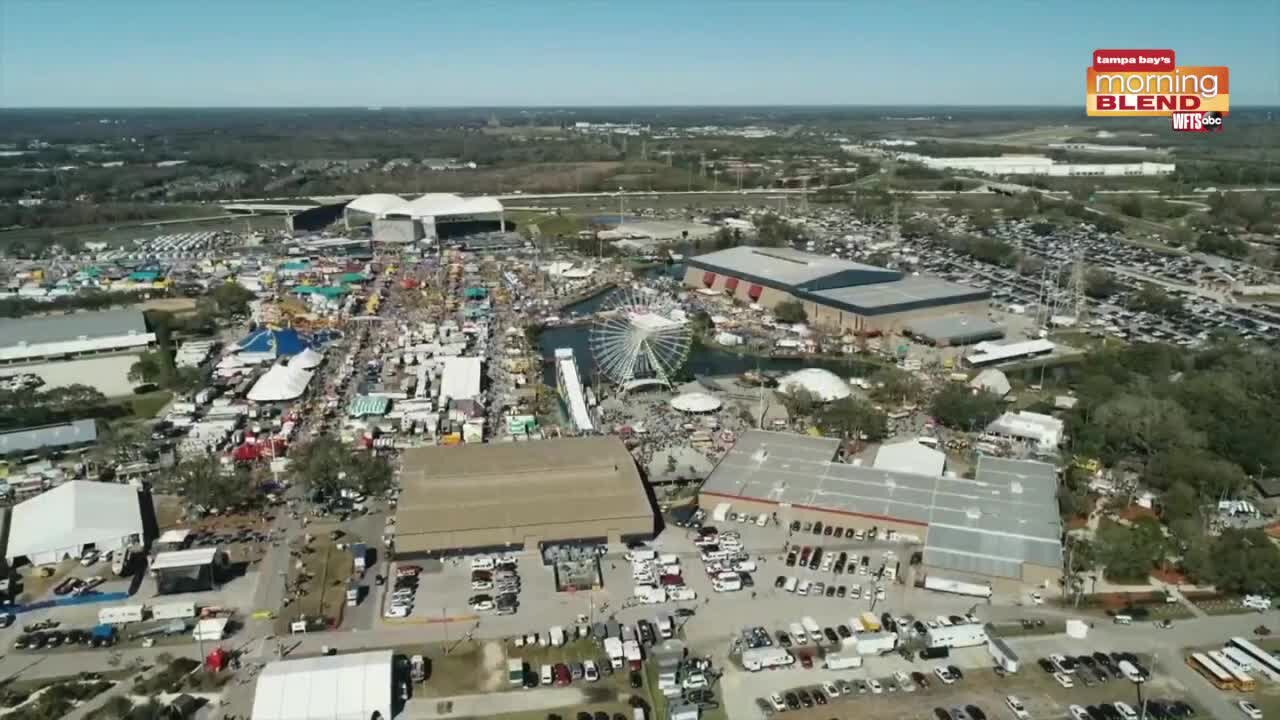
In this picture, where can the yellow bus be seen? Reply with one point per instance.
(1212, 671)
(1242, 680)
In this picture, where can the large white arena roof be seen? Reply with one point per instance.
(429, 205)
(824, 385)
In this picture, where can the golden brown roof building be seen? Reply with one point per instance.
(520, 495)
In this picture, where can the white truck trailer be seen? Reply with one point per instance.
(876, 643)
(764, 658)
(1003, 655)
(844, 660)
(956, 636)
(941, 584)
(613, 648)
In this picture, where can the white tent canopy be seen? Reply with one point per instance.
(335, 687)
(824, 385)
(993, 381)
(63, 521)
(306, 360)
(280, 383)
(696, 402)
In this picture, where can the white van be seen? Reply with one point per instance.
(546, 675)
(790, 584)
(762, 519)
(1123, 620)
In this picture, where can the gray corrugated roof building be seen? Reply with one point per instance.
(789, 269)
(76, 432)
(990, 525)
(955, 329)
(843, 284)
(61, 328)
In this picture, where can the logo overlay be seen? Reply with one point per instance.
(1150, 83)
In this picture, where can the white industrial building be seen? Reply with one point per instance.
(427, 218)
(336, 687)
(87, 348)
(1039, 165)
(75, 517)
(1043, 432)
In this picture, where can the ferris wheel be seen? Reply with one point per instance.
(640, 338)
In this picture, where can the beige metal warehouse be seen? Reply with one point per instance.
(520, 494)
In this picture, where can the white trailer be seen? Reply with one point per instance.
(613, 648)
(721, 512)
(842, 661)
(1004, 655)
(757, 659)
(631, 652)
(940, 584)
(173, 611)
(812, 627)
(649, 595)
(876, 643)
(120, 615)
(956, 636)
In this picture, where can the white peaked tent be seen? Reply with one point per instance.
(65, 520)
(306, 360)
(280, 383)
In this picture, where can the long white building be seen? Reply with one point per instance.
(1039, 165)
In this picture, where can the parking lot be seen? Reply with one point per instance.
(980, 688)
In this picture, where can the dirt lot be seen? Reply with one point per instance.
(317, 582)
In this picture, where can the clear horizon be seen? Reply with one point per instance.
(326, 54)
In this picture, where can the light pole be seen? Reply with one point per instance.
(622, 207)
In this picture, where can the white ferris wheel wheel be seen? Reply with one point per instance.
(640, 338)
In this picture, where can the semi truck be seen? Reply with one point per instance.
(1003, 655)
(940, 584)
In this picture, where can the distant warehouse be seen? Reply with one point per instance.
(520, 495)
(1000, 528)
(88, 348)
(837, 294)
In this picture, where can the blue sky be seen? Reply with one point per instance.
(96, 53)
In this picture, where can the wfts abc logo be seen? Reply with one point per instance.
(1202, 122)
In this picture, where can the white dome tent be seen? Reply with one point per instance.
(696, 402)
(824, 385)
